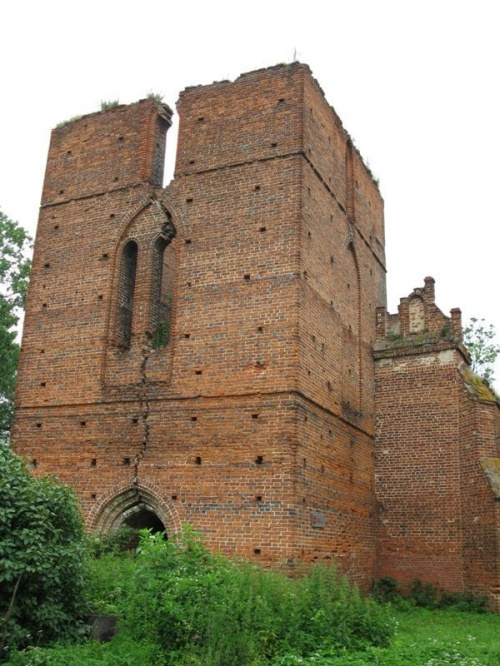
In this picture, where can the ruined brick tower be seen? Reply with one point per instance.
(219, 353)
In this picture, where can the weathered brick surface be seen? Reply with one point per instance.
(256, 423)
(438, 519)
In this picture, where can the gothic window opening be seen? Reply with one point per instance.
(164, 269)
(128, 271)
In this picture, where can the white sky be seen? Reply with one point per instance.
(415, 82)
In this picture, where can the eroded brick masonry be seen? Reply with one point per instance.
(219, 352)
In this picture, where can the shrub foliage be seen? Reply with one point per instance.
(42, 556)
(207, 610)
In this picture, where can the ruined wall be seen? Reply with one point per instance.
(438, 515)
(204, 353)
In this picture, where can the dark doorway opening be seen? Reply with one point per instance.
(143, 518)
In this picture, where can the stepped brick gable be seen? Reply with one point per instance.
(218, 352)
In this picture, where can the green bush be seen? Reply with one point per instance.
(206, 610)
(424, 595)
(43, 557)
(386, 589)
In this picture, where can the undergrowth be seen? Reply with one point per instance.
(180, 605)
(177, 600)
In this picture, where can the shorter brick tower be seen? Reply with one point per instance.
(219, 353)
(437, 451)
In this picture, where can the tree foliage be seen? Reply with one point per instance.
(479, 338)
(42, 556)
(14, 273)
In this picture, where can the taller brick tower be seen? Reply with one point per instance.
(202, 354)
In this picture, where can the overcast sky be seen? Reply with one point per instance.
(416, 83)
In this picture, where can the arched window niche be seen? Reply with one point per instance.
(164, 271)
(128, 272)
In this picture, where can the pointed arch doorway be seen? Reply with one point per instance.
(135, 506)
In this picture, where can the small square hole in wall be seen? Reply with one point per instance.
(116, 179)
(120, 138)
(100, 297)
(126, 462)
(93, 462)
(259, 460)
(274, 144)
(42, 383)
(38, 425)
(187, 335)
(281, 100)
(191, 161)
(197, 460)
(188, 284)
(262, 229)
(257, 551)
(46, 264)
(42, 351)
(174, 497)
(112, 216)
(256, 188)
(194, 418)
(44, 305)
(68, 152)
(255, 416)
(56, 226)
(135, 420)
(198, 372)
(93, 496)
(260, 329)
(61, 191)
(201, 119)
(83, 423)
(189, 200)
(34, 462)
(246, 277)
(105, 255)
(258, 498)
(187, 241)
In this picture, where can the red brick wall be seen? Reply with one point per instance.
(438, 518)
